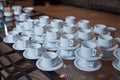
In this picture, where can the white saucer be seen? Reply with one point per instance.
(78, 65)
(70, 48)
(114, 64)
(39, 65)
(6, 41)
(65, 57)
(26, 55)
(37, 41)
(16, 48)
(49, 48)
(77, 54)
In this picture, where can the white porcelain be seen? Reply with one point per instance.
(44, 19)
(23, 17)
(98, 56)
(21, 44)
(50, 45)
(38, 30)
(70, 19)
(53, 68)
(89, 68)
(84, 34)
(116, 64)
(111, 30)
(37, 39)
(67, 40)
(50, 59)
(27, 55)
(17, 8)
(8, 14)
(33, 50)
(66, 54)
(68, 29)
(19, 27)
(83, 24)
(99, 28)
(28, 9)
(52, 34)
(88, 49)
(27, 33)
(105, 41)
(56, 23)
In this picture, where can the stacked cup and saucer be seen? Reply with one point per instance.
(11, 37)
(107, 44)
(33, 51)
(67, 45)
(116, 61)
(88, 57)
(49, 61)
(51, 39)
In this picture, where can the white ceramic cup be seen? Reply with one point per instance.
(49, 59)
(52, 34)
(99, 28)
(38, 30)
(56, 23)
(67, 40)
(88, 49)
(68, 29)
(111, 30)
(34, 49)
(44, 20)
(50, 44)
(84, 34)
(23, 17)
(22, 42)
(83, 24)
(105, 41)
(70, 19)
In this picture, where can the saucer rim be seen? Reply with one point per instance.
(48, 68)
(86, 69)
(89, 59)
(64, 57)
(5, 40)
(25, 55)
(115, 65)
(36, 41)
(16, 47)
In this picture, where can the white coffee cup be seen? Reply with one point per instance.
(34, 49)
(68, 29)
(23, 17)
(52, 34)
(88, 49)
(44, 20)
(67, 40)
(70, 19)
(84, 34)
(111, 30)
(105, 41)
(50, 44)
(49, 59)
(38, 30)
(99, 28)
(83, 24)
(27, 33)
(22, 42)
(56, 23)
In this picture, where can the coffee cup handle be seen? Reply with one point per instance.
(71, 42)
(94, 52)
